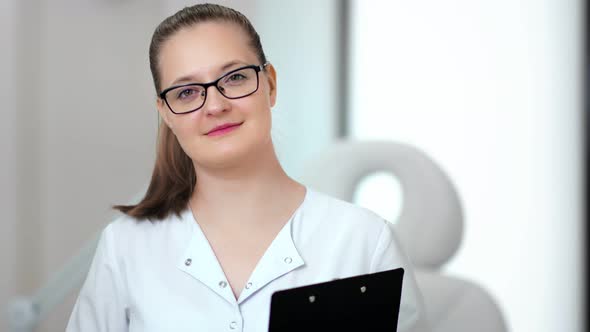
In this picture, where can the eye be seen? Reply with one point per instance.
(236, 77)
(188, 93)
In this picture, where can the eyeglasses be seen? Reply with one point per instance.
(238, 83)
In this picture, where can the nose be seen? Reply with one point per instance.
(215, 102)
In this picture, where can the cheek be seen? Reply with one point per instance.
(185, 126)
(259, 112)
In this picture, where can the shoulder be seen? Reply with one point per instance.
(128, 235)
(124, 225)
(340, 238)
(338, 215)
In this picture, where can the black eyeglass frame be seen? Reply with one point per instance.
(206, 86)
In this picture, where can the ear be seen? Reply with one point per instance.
(271, 75)
(164, 112)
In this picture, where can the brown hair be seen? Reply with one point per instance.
(173, 178)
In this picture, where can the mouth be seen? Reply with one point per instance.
(223, 129)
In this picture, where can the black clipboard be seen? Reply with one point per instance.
(368, 302)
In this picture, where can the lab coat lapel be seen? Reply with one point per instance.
(280, 258)
(200, 262)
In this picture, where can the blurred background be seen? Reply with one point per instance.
(490, 90)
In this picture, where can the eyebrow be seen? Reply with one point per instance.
(191, 78)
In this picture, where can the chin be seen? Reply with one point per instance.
(224, 155)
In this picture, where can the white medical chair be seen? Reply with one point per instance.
(430, 225)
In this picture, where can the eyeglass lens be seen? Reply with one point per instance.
(234, 85)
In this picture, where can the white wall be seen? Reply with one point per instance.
(301, 40)
(492, 91)
(7, 155)
(80, 130)
(98, 118)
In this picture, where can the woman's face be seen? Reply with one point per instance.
(202, 54)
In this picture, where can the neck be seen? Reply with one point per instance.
(243, 193)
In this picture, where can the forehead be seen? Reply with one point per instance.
(201, 50)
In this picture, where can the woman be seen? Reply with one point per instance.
(222, 226)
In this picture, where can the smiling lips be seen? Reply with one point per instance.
(224, 128)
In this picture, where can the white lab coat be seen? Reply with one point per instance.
(163, 276)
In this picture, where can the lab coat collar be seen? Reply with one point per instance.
(280, 258)
(199, 261)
